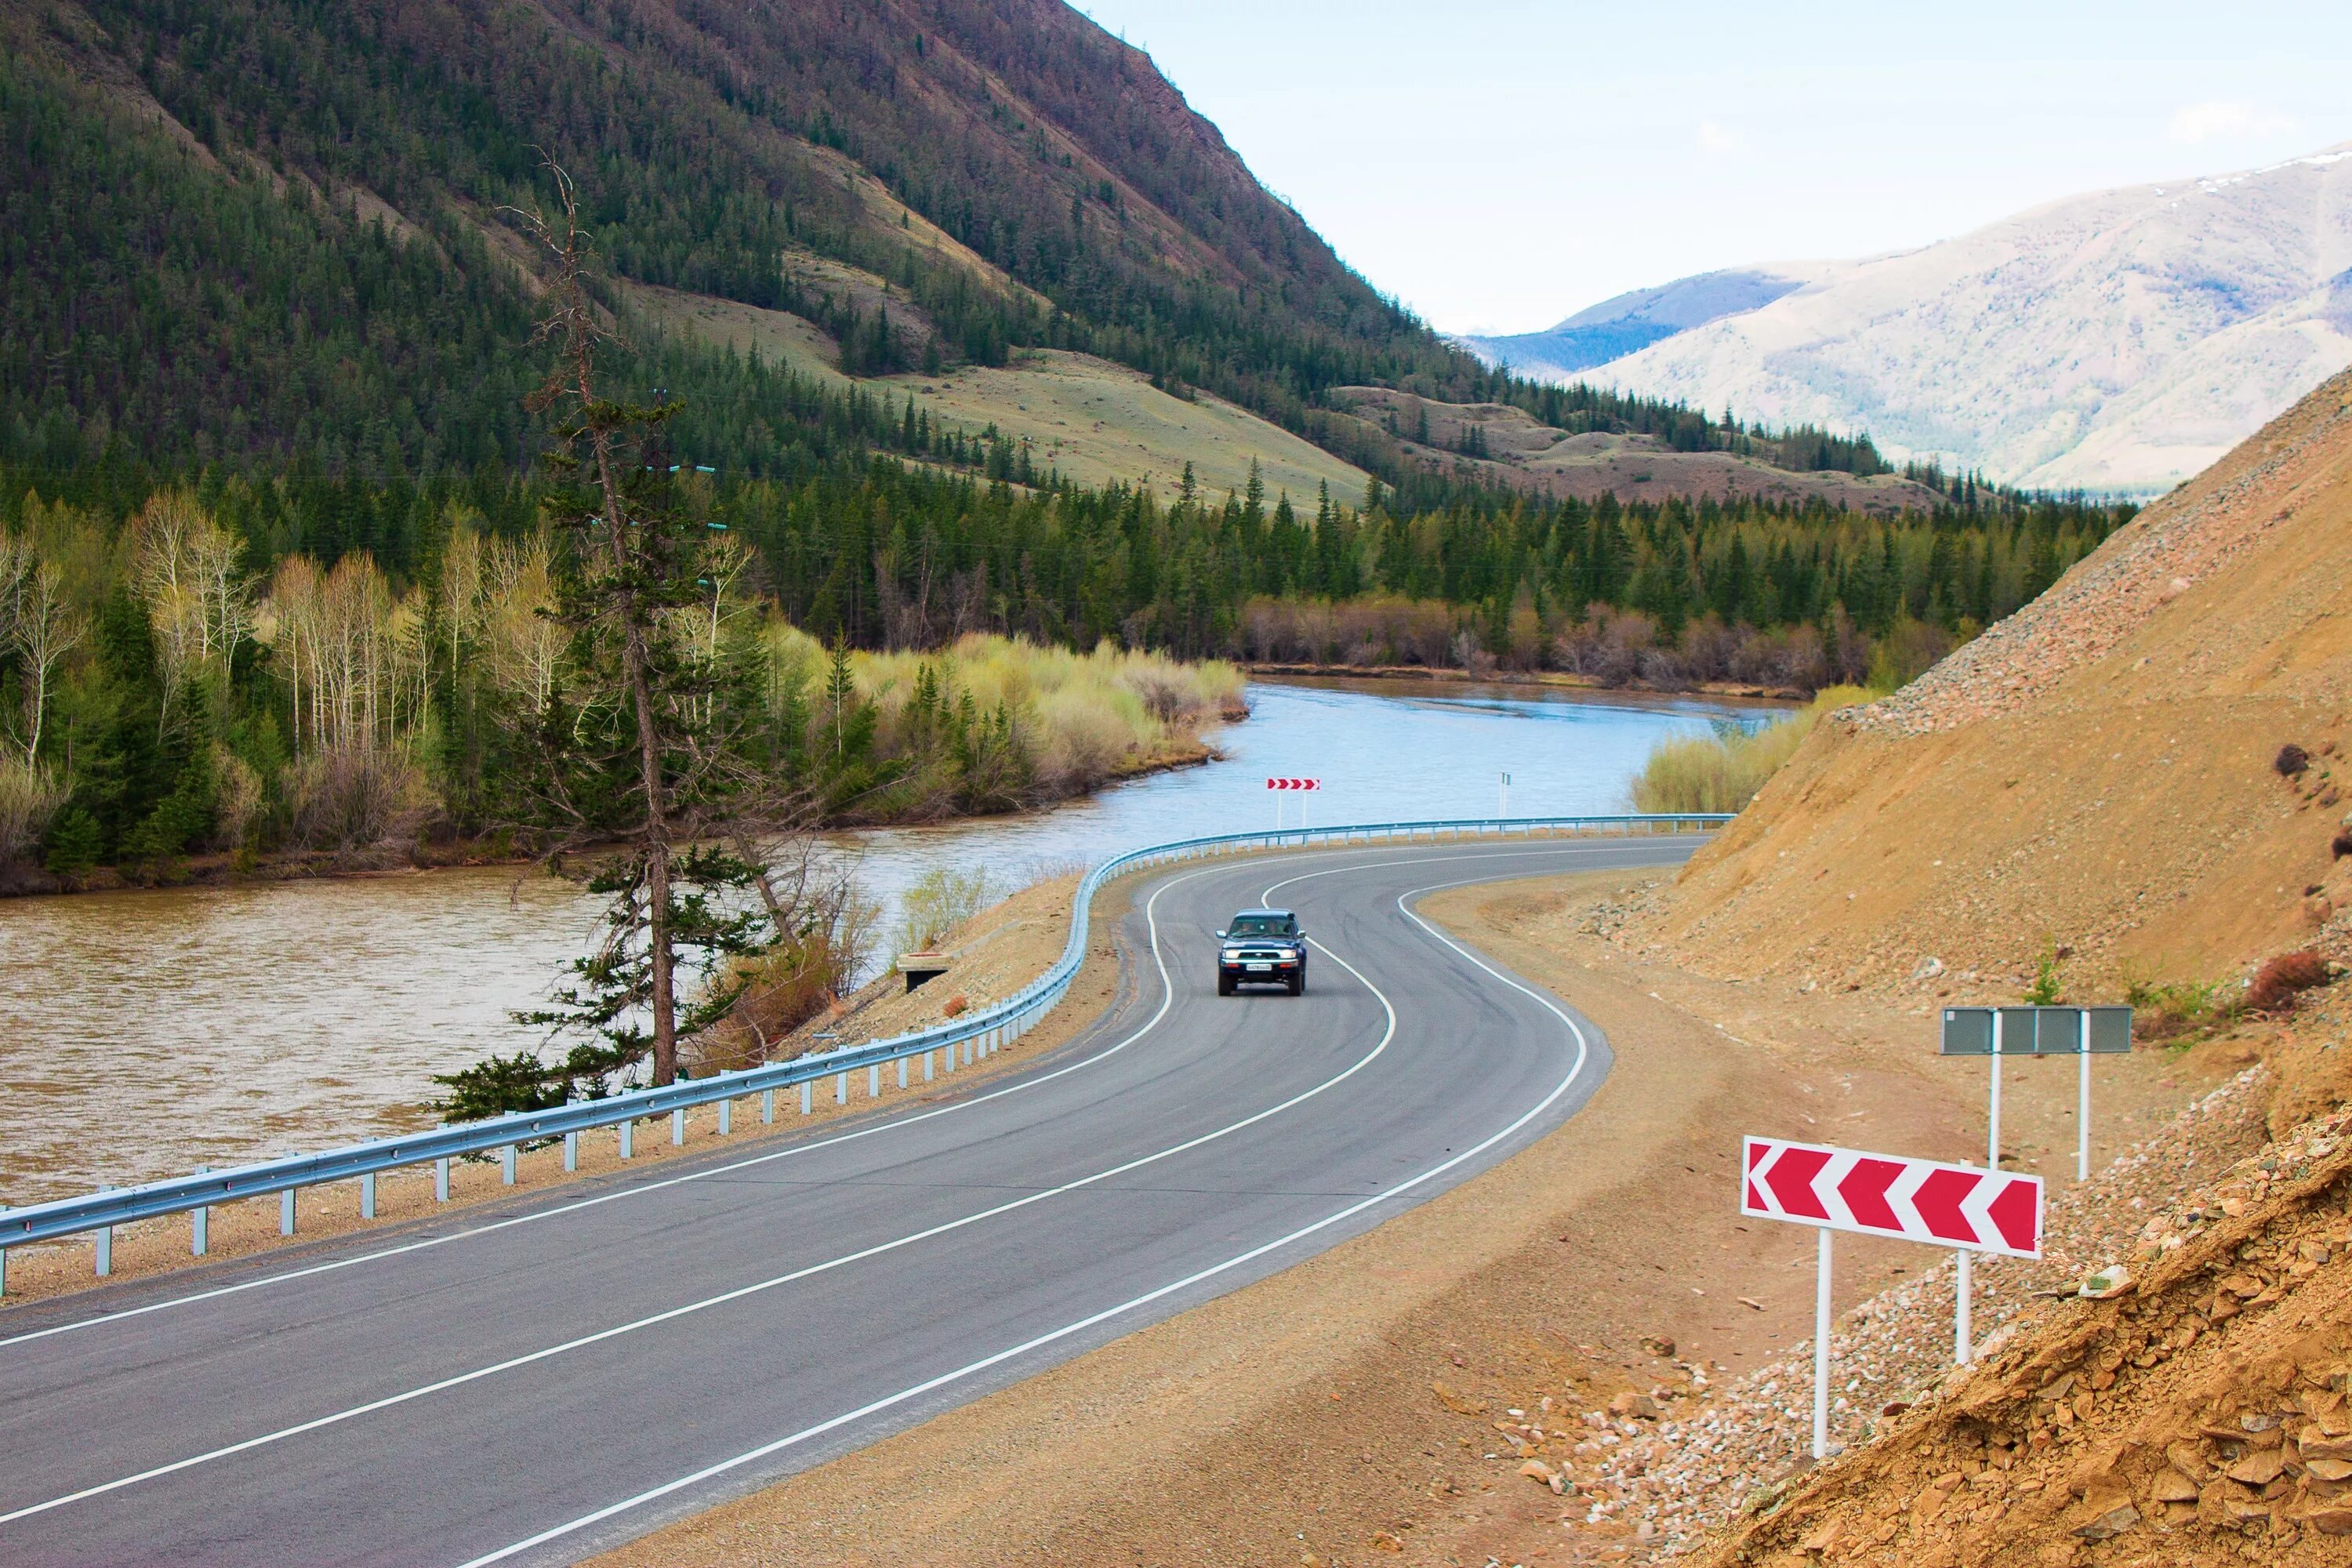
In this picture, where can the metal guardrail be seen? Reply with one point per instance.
(972, 1038)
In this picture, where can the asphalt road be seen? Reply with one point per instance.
(628, 1350)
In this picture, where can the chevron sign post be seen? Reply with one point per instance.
(1963, 1207)
(1286, 785)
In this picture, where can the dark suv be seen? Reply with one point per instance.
(1261, 947)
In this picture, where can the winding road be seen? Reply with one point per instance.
(532, 1383)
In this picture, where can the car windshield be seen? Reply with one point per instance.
(1263, 925)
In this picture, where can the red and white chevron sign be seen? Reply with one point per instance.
(1294, 784)
(1960, 1206)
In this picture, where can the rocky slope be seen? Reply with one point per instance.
(2100, 773)
(2109, 768)
(2118, 340)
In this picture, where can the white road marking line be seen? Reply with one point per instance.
(752, 1456)
(528, 1358)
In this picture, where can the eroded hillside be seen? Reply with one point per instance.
(2100, 773)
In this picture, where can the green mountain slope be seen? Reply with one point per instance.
(276, 228)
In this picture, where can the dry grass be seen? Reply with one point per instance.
(1097, 422)
(1722, 772)
(1087, 716)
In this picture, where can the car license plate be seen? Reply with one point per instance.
(1261, 969)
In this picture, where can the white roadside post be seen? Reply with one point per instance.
(1502, 796)
(1998, 1032)
(2082, 1103)
(1992, 1115)
(1960, 1206)
(1822, 1348)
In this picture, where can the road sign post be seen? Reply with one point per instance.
(2078, 1032)
(1997, 1032)
(1963, 1207)
(1284, 786)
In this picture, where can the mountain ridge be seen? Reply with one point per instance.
(1628, 322)
(2117, 340)
(1015, 175)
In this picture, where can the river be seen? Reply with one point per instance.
(145, 1033)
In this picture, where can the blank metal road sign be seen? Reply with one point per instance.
(2035, 1031)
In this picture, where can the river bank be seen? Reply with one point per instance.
(427, 852)
(1557, 679)
(1000, 950)
(217, 1024)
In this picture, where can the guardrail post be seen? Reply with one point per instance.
(902, 1072)
(841, 1087)
(367, 1196)
(926, 1065)
(199, 1223)
(808, 1094)
(104, 1260)
(4, 1271)
(286, 1212)
(507, 1165)
(726, 1117)
(677, 1127)
(767, 1105)
(441, 1180)
(874, 1080)
(629, 1138)
(572, 1150)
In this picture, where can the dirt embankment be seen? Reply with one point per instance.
(2135, 778)
(2099, 772)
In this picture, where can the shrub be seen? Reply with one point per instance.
(2048, 990)
(2277, 982)
(2162, 1010)
(941, 902)
(1086, 736)
(2341, 844)
(2291, 760)
(349, 799)
(77, 843)
(29, 798)
(1723, 771)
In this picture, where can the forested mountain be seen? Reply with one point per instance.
(286, 233)
(278, 227)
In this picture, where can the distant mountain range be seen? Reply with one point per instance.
(1630, 322)
(2120, 341)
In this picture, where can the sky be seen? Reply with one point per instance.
(1499, 164)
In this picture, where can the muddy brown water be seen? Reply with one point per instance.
(143, 1034)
